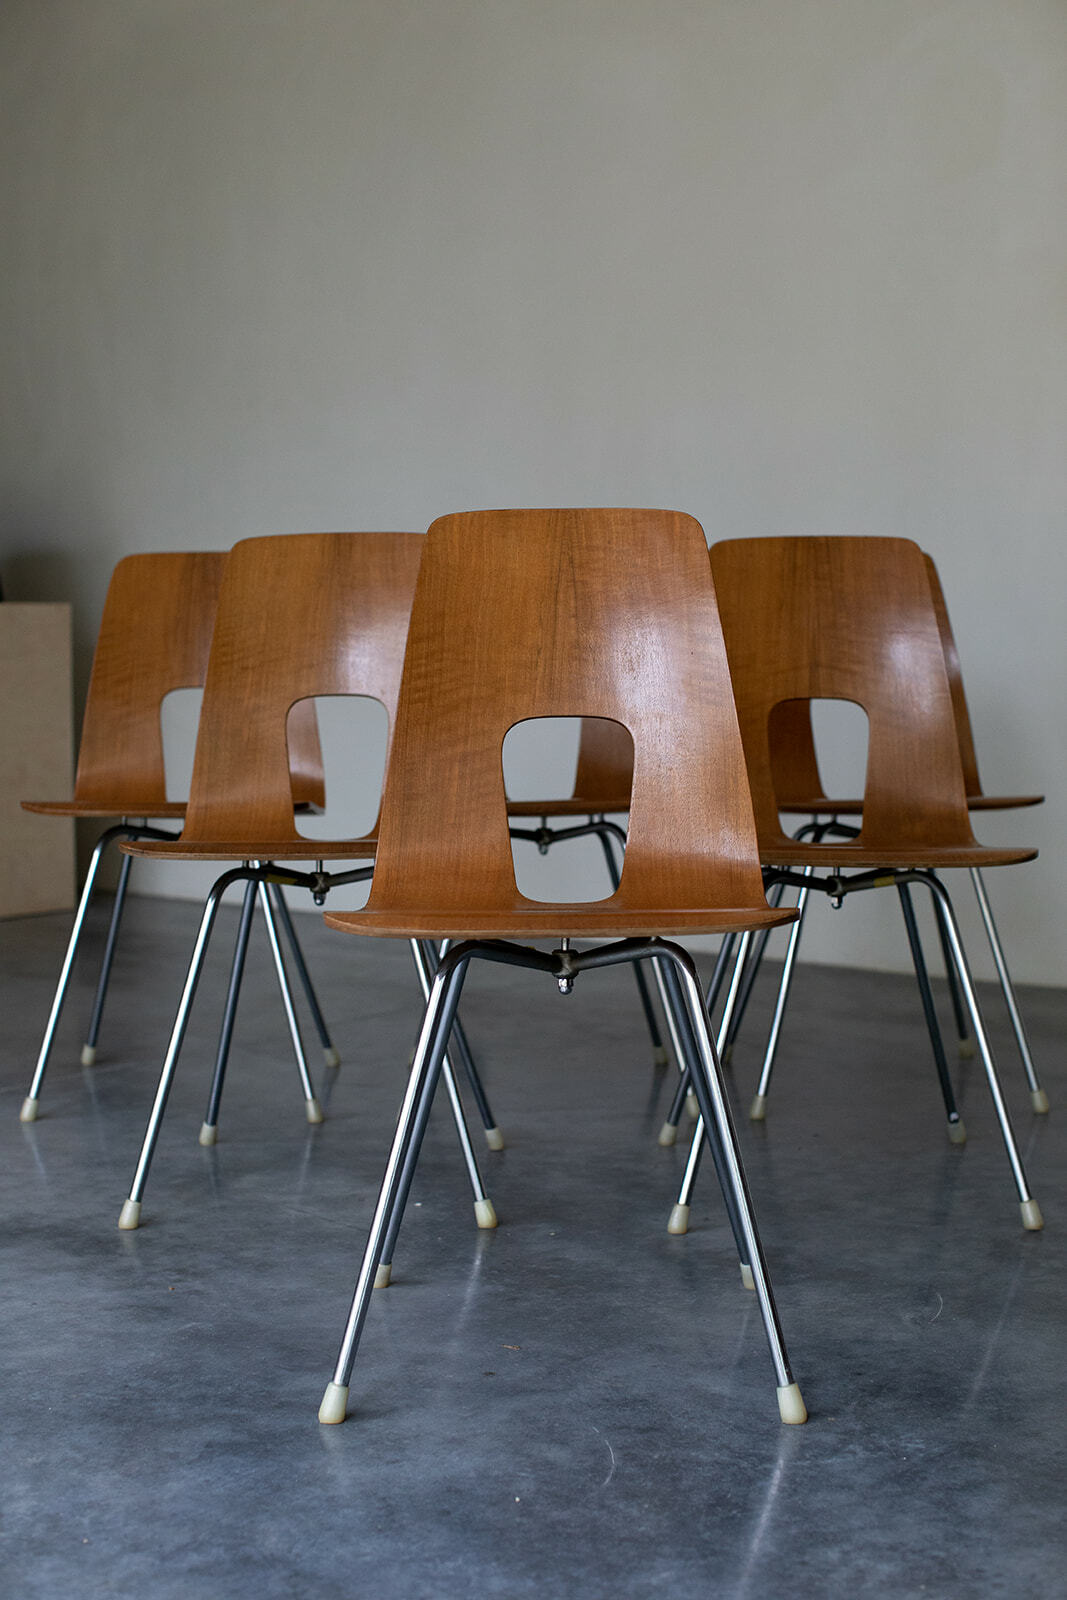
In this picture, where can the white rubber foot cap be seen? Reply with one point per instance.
(966, 1049)
(314, 1111)
(334, 1403)
(384, 1275)
(29, 1109)
(757, 1111)
(88, 1055)
(1032, 1218)
(791, 1407)
(660, 1058)
(1038, 1101)
(209, 1133)
(130, 1215)
(331, 1056)
(692, 1106)
(746, 1277)
(668, 1135)
(494, 1138)
(957, 1133)
(679, 1220)
(484, 1215)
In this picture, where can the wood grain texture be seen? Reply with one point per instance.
(592, 613)
(299, 615)
(850, 619)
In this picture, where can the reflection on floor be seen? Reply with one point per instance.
(577, 1404)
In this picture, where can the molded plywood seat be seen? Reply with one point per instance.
(531, 614)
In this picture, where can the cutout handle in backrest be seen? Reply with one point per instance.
(605, 764)
(604, 614)
(154, 637)
(850, 619)
(299, 615)
(793, 761)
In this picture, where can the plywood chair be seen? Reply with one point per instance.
(155, 634)
(530, 614)
(853, 619)
(299, 616)
(798, 785)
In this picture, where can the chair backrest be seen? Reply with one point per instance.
(299, 615)
(846, 619)
(605, 770)
(587, 613)
(793, 758)
(155, 637)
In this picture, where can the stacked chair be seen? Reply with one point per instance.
(154, 638)
(524, 614)
(299, 616)
(855, 619)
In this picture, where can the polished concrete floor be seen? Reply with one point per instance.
(576, 1404)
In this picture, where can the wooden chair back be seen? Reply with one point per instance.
(155, 637)
(568, 613)
(299, 615)
(848, 619)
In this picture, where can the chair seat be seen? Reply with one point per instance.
(824, 805)
(253, 849)
(845, 855)
(583, 920)
(120, 806)
(573, 806)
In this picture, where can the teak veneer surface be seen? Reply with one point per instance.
(299, 615)
(581, 613)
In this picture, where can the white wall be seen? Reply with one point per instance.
(790, 265)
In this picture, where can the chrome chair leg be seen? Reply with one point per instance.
(1038, 1097)
(659, 1052)
(210, 1126)
(30, 1105)
(88, 1056)
(445, 987)
(956, 1130)
(758, 1109)
(329, 1053)
(311, 1102)
(965, 1046)
(493, 1136)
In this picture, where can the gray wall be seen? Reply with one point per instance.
(790, 265)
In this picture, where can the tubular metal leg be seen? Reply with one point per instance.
(758, 1109)
(130, 1215)
(209, 1129)
(684, 1043)
(668, 1133)
(329, 1053)
(751, 973)
(1031, 1212)
(89, 1047)
(425, 967)
(659, 1053)
(963, 1034)
(679, 1219)
(493, 1136)
(956, 1131)
(1038, 1097)
(715, 1111)
(429, 1055)
(314, 1110)
(28, 1112)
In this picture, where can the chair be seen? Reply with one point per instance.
(524, 614)
(854, 619)
(154, 637)
(299, 615)
(800, 790)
